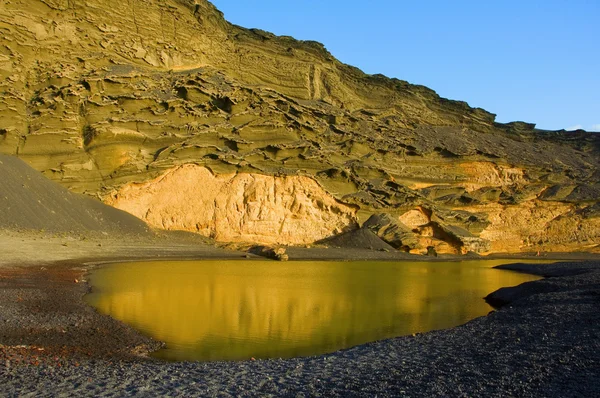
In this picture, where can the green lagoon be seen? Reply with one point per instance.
(236, 310)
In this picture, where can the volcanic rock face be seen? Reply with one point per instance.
(116, 98)
(237, 207)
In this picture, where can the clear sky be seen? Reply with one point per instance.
(530, 60)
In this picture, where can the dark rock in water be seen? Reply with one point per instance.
(508, 295)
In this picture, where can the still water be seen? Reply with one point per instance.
(233, 310)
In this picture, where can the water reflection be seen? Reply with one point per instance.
(229, 310)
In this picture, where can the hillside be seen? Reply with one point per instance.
(166, 110)
(28, 201)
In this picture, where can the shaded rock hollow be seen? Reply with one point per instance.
(105, 96)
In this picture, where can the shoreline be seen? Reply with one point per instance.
(54, 342)
(33, 248)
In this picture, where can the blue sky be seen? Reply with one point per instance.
(530, 60)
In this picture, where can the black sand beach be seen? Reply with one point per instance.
(544, 341)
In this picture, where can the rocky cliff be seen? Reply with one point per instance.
(164, 109)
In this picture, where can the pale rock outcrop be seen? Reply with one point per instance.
(485, 174)
(240, 207)
(536, 225)
(414, 218)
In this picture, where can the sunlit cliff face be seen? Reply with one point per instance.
(237, 310)
(243, 207)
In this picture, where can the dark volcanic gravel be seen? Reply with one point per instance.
(542, 344)
(44, 317)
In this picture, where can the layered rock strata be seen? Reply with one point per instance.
(113, 98)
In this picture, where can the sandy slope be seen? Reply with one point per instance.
(30, 201)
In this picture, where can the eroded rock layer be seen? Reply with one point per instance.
(116, 98)
(241, 207)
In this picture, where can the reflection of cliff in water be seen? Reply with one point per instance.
(238, 309)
